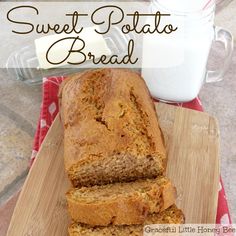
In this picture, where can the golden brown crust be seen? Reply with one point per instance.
(125, 211)
(109, 117)
(170, 216)
(120, 204)
(169, 195)
(111, 137)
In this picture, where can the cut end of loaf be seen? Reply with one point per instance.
(110, 191)
(117, 168)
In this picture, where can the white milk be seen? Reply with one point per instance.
(179, 80)
(184, 5)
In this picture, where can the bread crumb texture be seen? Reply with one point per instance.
(120, 203)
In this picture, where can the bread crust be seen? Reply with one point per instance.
(126, 208)
(112, 137)
(172, 215)
(125, 211)
(108, 116)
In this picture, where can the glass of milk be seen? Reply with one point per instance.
(175, 67)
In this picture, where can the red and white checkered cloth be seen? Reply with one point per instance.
(49, 110)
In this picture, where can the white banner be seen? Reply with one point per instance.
(47, 35)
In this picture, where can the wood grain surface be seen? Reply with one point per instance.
(192, 140)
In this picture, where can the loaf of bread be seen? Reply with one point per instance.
(170, 216)
(120, 203)
(111, 132)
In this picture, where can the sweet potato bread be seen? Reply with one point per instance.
(111, 132)
(120, 203)
(170, 216)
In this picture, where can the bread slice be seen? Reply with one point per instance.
(170, 216)
(111, 131)
(120, 203)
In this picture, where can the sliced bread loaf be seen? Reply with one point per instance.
(120, 203)
(111, 131)
(172, 215)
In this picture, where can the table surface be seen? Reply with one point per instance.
(19, 112)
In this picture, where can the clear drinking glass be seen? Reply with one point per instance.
(182, 82)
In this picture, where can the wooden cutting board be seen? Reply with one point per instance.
(192, 140)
